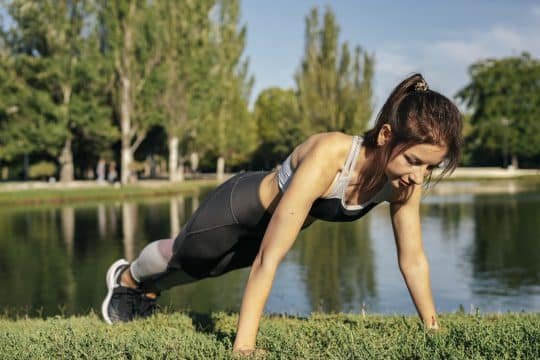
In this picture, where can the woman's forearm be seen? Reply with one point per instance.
(256, 293)
(418, 282)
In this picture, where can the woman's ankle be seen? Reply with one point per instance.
(126, 279)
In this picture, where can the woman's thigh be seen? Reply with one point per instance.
(226, 230)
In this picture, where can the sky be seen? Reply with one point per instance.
(438, 39)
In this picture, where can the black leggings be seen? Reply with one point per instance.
(223, 234)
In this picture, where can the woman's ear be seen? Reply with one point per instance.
(385, 134)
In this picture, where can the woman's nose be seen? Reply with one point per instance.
(418, 175)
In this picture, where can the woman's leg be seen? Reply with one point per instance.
(153, 259)
(222, 235)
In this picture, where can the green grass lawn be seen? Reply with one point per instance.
(199, 336)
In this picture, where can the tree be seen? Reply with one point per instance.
(183, 71)
(56, 51)
(504, 97)
(334, 90)
(133, 49)
(24, 113)
(278, 119)
(228, 131)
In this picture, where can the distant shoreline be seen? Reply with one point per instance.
(463, 180)
(490, 173)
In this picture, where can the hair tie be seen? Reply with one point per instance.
(421, 86)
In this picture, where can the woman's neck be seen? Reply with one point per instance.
(363, 166)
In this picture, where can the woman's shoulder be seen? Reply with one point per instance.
(333, 145)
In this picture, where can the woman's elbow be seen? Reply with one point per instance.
(414, 263)
(266, 261)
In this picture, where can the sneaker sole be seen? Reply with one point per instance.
(110, 280)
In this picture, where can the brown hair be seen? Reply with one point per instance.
(416, 115)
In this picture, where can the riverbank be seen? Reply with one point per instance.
(463, 180)
(31, 193)
(201, 336)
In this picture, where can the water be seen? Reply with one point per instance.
(484, 252)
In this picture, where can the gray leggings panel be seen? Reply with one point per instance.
(152, 260)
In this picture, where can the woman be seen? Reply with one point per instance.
(254, 218)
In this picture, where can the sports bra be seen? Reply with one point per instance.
(332, 207)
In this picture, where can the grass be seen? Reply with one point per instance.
(89, 194)
(95, 193)
(199, 336)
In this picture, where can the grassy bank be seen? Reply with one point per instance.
(87, 193)
(196, 336)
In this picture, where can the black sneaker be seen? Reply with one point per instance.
(146, 306)
(116, 306)
(122, 303)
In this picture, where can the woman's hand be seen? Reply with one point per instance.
(240, 353)
(432, 324)
(313, 175)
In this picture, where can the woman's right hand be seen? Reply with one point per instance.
(249, 352)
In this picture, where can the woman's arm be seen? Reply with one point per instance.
(312, 177)
(412, 260)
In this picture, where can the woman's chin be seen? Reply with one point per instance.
(396, 184)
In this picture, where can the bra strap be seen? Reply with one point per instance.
(353, 153)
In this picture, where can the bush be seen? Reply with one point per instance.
(42, 170)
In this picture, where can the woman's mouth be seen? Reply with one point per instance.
(403, 183)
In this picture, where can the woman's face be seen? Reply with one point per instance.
(411, 166)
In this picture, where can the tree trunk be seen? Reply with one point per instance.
(125, 129)
(66, 156)
(515, 164)
(175, 173)
(194, 161)
(220, 168)
(66, 162)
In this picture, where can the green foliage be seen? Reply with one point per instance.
(228, 130)
(42, 169)
(334, 88)
(198, 336)
(504, 97)
(185, 32)
(278, 119)
(59, 76)
(132, 48)
(27, 116)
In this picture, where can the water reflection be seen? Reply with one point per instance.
(68, 227)
(177, 213)
(506, 247)
(338, 262)
(483, 250)
(129, 222)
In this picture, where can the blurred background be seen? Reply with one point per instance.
(158, 89)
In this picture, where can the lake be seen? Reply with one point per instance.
(484, 252)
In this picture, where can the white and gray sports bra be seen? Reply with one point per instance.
(332, 207)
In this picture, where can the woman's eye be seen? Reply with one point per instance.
(411, 161)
